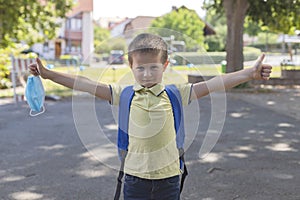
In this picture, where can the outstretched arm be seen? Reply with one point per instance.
(71, 81)
(220, 83)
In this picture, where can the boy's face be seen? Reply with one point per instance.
(147, 69)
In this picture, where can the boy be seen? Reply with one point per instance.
(152, 162)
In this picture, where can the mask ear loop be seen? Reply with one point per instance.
(36, 114)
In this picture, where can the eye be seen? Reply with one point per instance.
(154, 67)
(140, 68)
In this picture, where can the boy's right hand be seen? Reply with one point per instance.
(37, 68)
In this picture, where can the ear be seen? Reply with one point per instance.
(166, 65)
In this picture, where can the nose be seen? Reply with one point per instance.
(147, 73)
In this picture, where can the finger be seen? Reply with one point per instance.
(39, 62)
(261, 58)
(266, 70)
(33, 70)
(258, 63)
(266, 77)
(32, 66)
(266, 66)
(264, 74)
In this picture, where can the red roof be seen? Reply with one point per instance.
(81, 6)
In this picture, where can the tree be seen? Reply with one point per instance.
(278, 15)
(100, 36)
(235, 14)
(30, 20)
(186, 23)
(252, 28)
(217, 41)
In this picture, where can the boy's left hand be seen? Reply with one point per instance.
(261, 71)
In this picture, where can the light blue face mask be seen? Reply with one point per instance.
(35, 95)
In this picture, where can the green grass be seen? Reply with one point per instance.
(107, 76)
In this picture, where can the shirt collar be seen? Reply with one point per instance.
(156, 89)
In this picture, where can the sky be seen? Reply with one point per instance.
(133, 8)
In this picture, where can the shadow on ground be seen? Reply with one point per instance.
(256, 156)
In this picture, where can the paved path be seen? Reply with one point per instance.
(255, 158)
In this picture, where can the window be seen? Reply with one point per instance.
(46, 47)
(74, 47)
(75, 24)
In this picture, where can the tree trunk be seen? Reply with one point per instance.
(235, 14)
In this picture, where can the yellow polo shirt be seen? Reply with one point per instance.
(152, 151)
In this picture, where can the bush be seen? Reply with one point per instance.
(4, 77)
(271, 47)
(251, 53)
(215, 43)
(5, 62)
(110, 44)
(199, 58)
(69, 60)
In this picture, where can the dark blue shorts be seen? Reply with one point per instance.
(136, 188)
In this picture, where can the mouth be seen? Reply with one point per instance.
(147, 83)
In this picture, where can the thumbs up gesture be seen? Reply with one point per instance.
(261, 71)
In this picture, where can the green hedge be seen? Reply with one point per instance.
(69, 60)
(5, 62)
(198, 58)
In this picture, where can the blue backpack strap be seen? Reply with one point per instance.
(124, 110)
(176, 102)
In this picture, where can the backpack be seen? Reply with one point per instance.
(124, 109)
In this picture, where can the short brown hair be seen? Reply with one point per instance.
(148, 43)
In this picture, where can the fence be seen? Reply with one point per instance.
(19, 73)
